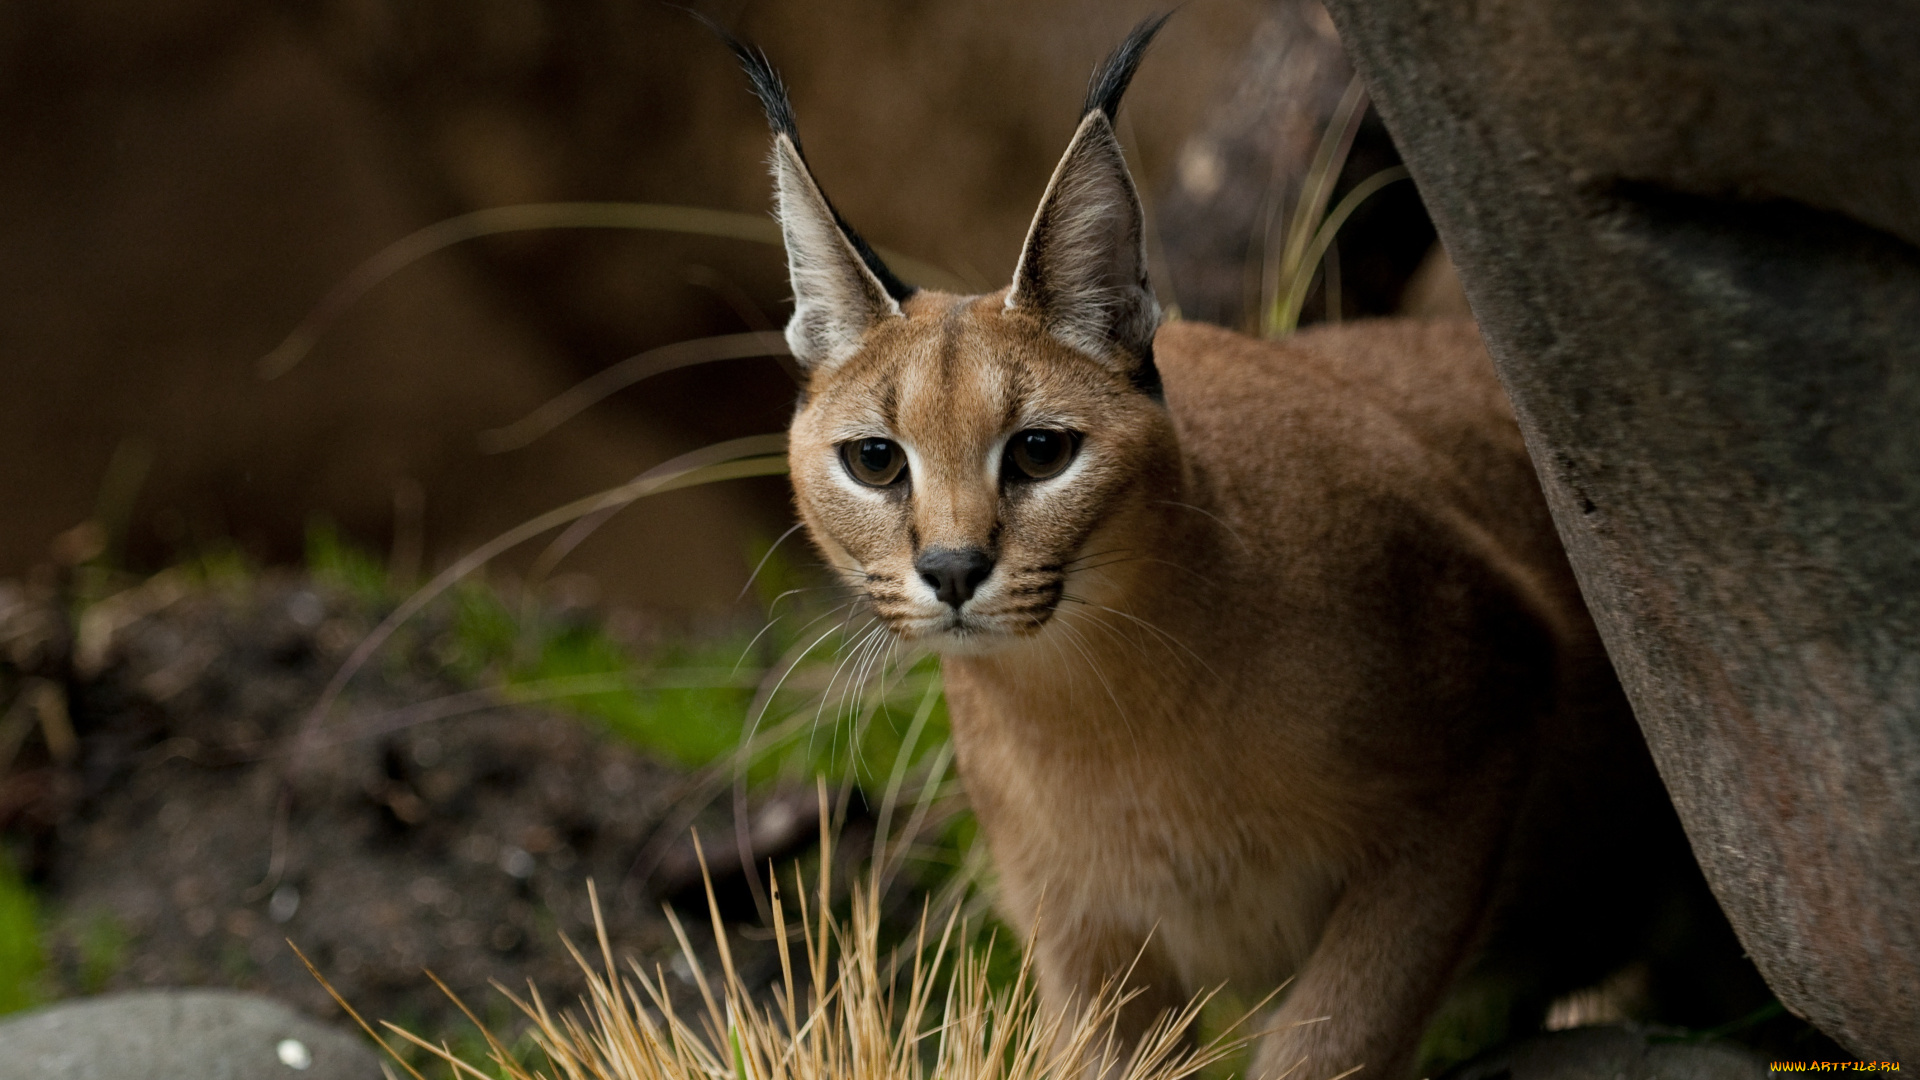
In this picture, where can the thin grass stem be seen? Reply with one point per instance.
(527, 217)
(1288, 315)
(751, 456)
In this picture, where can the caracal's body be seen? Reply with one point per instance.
(1346, 711)
(1263, 657)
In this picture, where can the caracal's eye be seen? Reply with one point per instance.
(1040, 453)
(875, 462)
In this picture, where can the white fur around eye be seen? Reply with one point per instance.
(845, 480)
(997, 453)
(1066, 475)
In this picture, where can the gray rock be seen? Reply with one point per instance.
(179, 1035)
(1688, 229)
(1610, 1053)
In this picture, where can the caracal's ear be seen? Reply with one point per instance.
(840, 287)
(1083, 269)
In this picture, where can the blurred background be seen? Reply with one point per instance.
(184, 180)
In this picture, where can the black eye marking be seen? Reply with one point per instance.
(1039, 453)
(875, 462)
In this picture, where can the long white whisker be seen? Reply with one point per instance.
(1066, 664)
(872, 668)
(764, 699)
(747, 650)
(882, 663)
(875, 660)
(1165, 637)
(849, 704)
(1188, 570)
(1115, 560)
(853, 699)
(1230, 530)
(1075, 639)
(808, 626)
(1069, 564)
(846, 589)
(1197, 575)
(762, 564)
(1113, 632)
(862, 637)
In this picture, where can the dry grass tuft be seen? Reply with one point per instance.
(849, 1009)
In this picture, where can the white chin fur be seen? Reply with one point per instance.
(976, 637)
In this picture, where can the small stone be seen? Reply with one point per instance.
(283, 904)
(294, 1054)
(178, 1035)
(516, 863)
(306, 609)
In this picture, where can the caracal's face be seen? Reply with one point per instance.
(968, 473)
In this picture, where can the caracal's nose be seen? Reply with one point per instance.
(954, 573)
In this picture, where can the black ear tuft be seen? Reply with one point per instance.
(772, 92)
(1111, 78)
(761, 78)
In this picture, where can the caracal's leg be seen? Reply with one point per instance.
(1074, 963)
(1397, 936)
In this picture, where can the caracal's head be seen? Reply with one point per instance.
(969, 464)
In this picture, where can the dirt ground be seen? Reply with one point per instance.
(178, 830)
(177, 837)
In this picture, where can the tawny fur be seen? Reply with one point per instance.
(1289, 707)
(1283, 677)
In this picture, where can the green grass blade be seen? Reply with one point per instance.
(1287, 317)
(700, 221)
(755, 455)
(21, 956)
(1329, 159)
(619, 376)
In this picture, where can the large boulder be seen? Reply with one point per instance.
(1688, 230)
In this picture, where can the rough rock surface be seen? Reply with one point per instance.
(179, 1035)
(1607, 1053)
(1688, 231)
